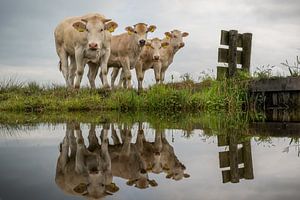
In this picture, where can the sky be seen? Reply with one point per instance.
(27, 48)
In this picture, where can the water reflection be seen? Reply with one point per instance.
(237, 153)
(88, 171)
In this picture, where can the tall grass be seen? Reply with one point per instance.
(228, 95)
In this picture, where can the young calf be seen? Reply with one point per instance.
(150, 59)
(125, 51)
(175, 39)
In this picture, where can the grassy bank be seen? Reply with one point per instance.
(210, 95)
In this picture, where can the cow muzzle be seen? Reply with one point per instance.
(156, 58)
(142, 43)
(93, 46)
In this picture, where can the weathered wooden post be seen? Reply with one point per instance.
(232, 55)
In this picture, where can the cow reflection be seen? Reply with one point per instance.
(159, 156)
(84, 171)
(127, 161)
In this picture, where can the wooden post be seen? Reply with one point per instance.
(247, 43)
(232, 53)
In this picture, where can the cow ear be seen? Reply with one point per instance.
(186, 175)
(153, 183)
(129, 30)
(130, 182)
(111, 26)
(165, 44)
(184, 34)
(112, 188)
(168, 35)
(80, 188)
(151, 28)
(79, 26)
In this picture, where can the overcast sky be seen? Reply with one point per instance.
(27, 49)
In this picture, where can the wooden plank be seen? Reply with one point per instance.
(276, 85)
(223, 56)
(226, 176)
(222, 72)
(248, 166)
(275, 129)
(246, 56)
(224, 158)
(225, 38)
(233, 159)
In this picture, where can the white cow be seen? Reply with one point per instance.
(125, 51)
(83, 39)
(82, 172)
(150, 59)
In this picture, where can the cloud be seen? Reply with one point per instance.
(26, 36)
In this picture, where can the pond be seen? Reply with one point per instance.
(129, 157)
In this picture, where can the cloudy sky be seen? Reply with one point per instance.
(27, 49)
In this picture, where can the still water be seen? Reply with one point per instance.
(115, 160)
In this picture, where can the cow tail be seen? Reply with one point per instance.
(59, 65)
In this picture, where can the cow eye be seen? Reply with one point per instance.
(101, 29)
(175, 36)
(160, 47)
(135, 32)
(87, 30)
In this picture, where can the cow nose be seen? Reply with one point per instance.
(156, 57)
(142, 42)
(93, 45)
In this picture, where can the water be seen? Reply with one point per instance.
(152, 161)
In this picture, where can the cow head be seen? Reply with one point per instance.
(143, 181)
(140, 32)
(175, 38)
(177, 173)
(154, 46)
(95, 28)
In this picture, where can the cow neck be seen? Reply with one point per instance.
(171, 50)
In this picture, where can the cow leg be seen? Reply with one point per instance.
(140, 138)
(72, 139)
(114, 135)
(93, 140)
(64, 68)
(121, 80)
(72, 70)
(157, 72)
(114, 75)
(126, 142)
(104, 69)
(162, 75)
(140, 75)
(80, 151)
(127, 74)
(64, 152)
(93, 70)
(80, 67)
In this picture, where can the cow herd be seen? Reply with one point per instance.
(88, 40)
(88, 171)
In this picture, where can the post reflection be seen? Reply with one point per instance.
(237, 160)
(88, 171)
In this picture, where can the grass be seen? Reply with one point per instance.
(229, 95)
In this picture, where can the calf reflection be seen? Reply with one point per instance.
(88, 171)
(84, 171)
(159, 156)
(127, 161)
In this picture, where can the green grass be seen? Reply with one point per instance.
(229, 95)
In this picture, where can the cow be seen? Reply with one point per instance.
(82, 172)
(84, 39)
(175, 39)
(127, 162)
(150, 59)
(159, 156)
(125, 51)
